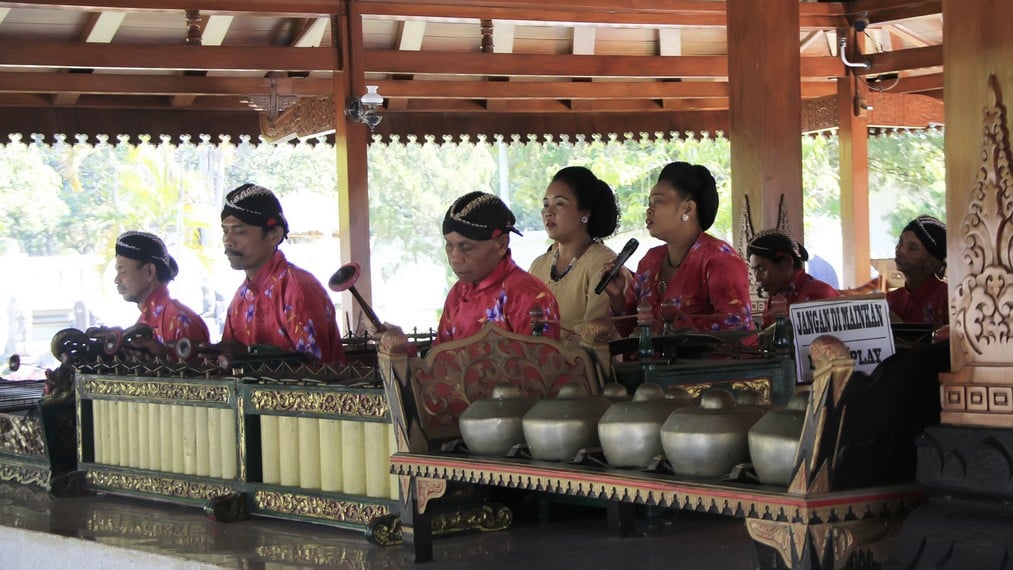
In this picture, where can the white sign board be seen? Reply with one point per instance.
(861, 324)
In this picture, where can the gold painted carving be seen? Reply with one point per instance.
(385, 531)
(486, 518)
(426, 489)
(318, 402)
(761, 385)
(25, 474)
(169, 391)
(786, 537)
(22, 435)
(306, 118)
(648, 491)
(393, 341)
(319, 507)
(164, 486)
(983, 302)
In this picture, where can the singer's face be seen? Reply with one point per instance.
(473, 260)
(664, 209)
(561, 214)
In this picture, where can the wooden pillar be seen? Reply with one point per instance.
(350, 144)
(853, 132)
(978, 58)
(765, 100)
(964, 464)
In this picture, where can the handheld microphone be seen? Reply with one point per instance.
(625, 254)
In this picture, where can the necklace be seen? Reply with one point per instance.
(553, 274)
(668, 261)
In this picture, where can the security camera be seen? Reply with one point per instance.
(860, 23)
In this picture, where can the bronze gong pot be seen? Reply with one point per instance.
(774, 440)
(707, 441)
(557, 429)
(630, 432)
(492, 426)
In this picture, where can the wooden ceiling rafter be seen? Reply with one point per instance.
(213, 30)
(50, 54)
(100, 27)
(266, 8)
(411, 63)
(123, 84)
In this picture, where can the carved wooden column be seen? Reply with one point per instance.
(967, 462)
(765, 98)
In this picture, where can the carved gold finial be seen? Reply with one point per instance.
(393, 341)
(597, 331)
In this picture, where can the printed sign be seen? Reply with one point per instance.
(861, 324)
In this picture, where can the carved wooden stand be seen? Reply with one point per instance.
(821, 532)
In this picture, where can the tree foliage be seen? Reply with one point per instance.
(910, 166)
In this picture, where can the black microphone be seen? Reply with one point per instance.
(625, 254)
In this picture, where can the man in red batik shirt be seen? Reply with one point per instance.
(143, 269)
(278, 304)
(492, 288)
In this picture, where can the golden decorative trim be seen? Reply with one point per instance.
(982, 302)
(25, 474)
(487, 518)
(368, 405)
(22, 435)
(164, 486)
(789, 539)
(762, 385)
(674, 494)
(306, 118)
(385, 531)
(319, 507)
(241, 437)
(175, 391)
(427, 489)
(393, 341)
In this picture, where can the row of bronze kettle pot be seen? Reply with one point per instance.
(705, 440)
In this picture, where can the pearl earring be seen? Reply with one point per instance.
(685, 217)
(583, 219)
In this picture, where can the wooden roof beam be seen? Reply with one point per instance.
(631, 12)
(919, 84)
(900, 60)
(547, 65)
(410, 35)
(281, 8)
(100, 28)
(906, 34)
(215, 28)
(118, 103)
(114, 84)
(19, 53)
(311, 34)
(879, 11)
